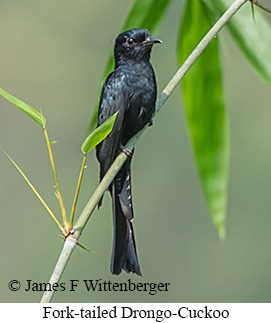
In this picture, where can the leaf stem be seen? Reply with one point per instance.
(78, 189)
(58, 194)
(261, 6)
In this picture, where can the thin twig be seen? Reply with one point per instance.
(58, 194)
(260, 6)
(78, 189)
(120, 160)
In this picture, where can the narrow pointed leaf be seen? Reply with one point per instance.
(252, 37)
(205, 111)
(84, 248)
(143, 14)
(98, 134)
(35, 192)
(31, 112)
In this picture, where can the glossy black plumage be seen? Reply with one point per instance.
(131, 90)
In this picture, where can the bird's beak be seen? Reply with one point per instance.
(151, 40)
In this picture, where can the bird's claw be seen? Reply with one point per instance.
(128, 152)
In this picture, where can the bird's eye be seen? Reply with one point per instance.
(130, 41)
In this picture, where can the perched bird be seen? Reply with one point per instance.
(131, 90)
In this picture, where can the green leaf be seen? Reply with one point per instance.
(146, 14)
(205, 111)
(143, 14)
(32, 113)
(98, 134)
(253, 38)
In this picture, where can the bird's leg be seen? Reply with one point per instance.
(128, 152)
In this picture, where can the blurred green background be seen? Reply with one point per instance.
(52, 56)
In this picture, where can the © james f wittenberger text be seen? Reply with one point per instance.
(93, 285)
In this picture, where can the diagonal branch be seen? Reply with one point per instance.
(75, 233)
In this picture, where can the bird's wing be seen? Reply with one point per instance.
(113, 99)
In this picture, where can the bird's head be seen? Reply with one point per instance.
(134, 44)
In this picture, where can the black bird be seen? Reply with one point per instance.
(131, 90)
